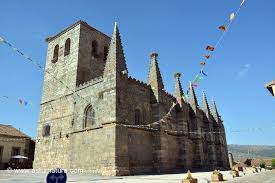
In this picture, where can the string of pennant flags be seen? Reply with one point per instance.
(195, 83)
(19, 101)
(179, 132)
(198, 78)
(210, 49)
(37, 65)
(62, 134)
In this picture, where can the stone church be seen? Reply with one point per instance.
(94, 116)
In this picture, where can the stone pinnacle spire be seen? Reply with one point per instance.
(192, 98)
(178, 92)
(155, 79)
(115, 60)
(215, 111)
(205, 105)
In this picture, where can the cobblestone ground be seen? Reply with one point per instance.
(203, 177)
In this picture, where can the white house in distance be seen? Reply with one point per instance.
(271, 87)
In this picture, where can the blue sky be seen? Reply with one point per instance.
(178, 30)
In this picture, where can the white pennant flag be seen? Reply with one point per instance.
(242, 2)
(2, 40)
(14, 49)
(232, 16)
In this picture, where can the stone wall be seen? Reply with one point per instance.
(133, 95)
(140, 145)
(94, 150)
(91, 65)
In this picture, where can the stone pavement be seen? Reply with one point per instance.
(203, 177)
(263, 177)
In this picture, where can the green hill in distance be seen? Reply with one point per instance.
(251, 151)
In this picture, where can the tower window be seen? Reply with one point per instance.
(105, 53)
(137, 117)
(46, 131)
(89, 117)
(55, 54)
(67, 47)
(94, 48)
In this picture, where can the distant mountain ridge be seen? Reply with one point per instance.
(251, 151)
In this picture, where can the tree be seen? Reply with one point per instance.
(248, 162)
(273, 163)
(262, 165)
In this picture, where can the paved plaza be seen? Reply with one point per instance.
(203, 177)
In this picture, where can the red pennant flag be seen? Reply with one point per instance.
(223, 28)
(210, 48)
(207, 56)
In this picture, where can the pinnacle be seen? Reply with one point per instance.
(115, 59)
(155, 79)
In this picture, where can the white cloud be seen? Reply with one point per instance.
(245, 68)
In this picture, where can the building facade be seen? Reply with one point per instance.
(271, 87)
(94, 116)
(13, 142)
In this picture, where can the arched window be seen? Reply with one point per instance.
(137, 117)
(94, 48)
(105, 53)
(55, 54)
(89, 117)
(67, 47)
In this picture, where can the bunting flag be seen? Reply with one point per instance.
(21, 101)
(24, 102)
(242, 2)
(232, 17)
(198, 78)
(2, 40)
(37, 65)
(210, 48)
(207, 56)
(202, 72)
(14, 49)
(223, 28)
(2, 99)
(194, 84)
